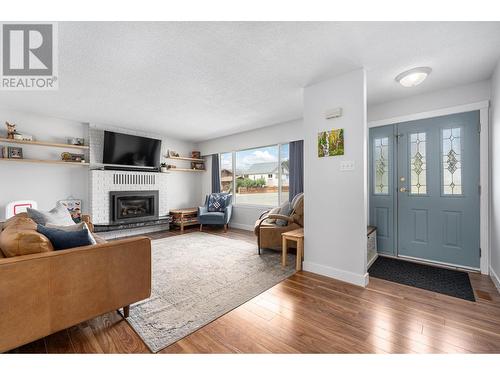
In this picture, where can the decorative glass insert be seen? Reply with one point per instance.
(418, 164)
(452, 162)
(381, 165)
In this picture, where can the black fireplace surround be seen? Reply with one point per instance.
(133, 206)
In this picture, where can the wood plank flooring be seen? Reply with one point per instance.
(308, 313)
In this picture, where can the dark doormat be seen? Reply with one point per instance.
(440, 280)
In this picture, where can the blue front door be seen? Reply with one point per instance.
(432, 189)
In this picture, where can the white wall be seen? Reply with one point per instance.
(335, 201)
(495, 178)
(244, 216)
(44, 183)
(269, 135)
(459, 95)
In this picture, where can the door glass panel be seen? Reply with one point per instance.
(381, 165)
(418, 164)
(452, 162)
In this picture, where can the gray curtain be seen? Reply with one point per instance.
(296, 169)
(215, 174)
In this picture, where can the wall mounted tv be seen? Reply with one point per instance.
(131, 150)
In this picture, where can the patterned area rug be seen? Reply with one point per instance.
(441, 280)
(198, 277)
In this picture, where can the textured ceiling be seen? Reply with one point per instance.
(199, 80)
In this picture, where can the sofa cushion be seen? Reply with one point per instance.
(217, 202)
(59, 215)
(19, 237)
(74, 228)
(213, 218)
(62, 239)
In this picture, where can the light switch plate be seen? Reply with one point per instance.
(347, 165)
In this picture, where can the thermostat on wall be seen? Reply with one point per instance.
(334, 113)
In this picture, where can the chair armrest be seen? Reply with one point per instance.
(263, 213)
(281, 217)
(202, 210)
(227, 213)
(86, 219)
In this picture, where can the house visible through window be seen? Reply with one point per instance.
(259, 175)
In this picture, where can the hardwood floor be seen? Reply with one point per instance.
(308, 313)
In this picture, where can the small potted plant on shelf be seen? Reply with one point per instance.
(163, 167)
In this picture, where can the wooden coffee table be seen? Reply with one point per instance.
(296, 235)
(184, 217)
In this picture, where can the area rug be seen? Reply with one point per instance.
(198, 277)
(436, 279)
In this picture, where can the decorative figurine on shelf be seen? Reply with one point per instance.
(163, 167)
(69, 157)
(11, 130)
(196, 154)
(174, 154)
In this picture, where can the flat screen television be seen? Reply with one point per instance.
(131, 150)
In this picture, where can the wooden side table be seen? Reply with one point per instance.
(296, 235)
(184, 217)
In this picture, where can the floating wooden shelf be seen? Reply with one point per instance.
(39, 143)
(46, 161)
(185, 170)
(185, 158)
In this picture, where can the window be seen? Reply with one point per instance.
(452, 162)
(226, 172)
(381, 165)
(259, 176)
(418, 164)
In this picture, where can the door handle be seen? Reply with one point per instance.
(403, 190)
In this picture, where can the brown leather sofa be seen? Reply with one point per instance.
(269, 233)
(47, 291)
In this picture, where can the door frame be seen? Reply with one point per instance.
(484, 160)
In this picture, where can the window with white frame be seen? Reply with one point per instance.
(257, 176)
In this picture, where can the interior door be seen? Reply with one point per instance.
(438, 189)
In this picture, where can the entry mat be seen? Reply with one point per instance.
(440, 280)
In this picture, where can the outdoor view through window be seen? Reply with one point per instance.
(259, 176)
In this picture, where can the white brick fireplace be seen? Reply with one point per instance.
(102, 182)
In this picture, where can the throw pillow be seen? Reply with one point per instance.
(217, 202)
(19, 237)
(285, 210)
(62, 239)
(74, 228)
(59, 215)
(275, 210)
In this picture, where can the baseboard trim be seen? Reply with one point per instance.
(241, 226)
(494, 277)
(335, 273)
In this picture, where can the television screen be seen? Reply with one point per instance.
(131, 150)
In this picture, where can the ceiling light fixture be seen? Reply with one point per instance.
(413, 77)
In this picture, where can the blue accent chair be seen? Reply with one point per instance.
(216, 218)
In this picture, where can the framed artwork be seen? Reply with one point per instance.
(331, 143)
(15, 152)
(74, 207)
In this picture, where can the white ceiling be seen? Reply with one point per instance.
(200, 80)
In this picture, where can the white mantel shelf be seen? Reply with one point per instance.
(45, 161)
(39, 143)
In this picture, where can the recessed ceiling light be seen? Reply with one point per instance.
(413, 77)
